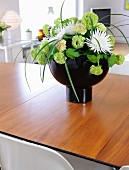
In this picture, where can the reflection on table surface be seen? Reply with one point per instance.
(97, 130)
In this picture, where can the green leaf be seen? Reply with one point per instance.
(105, 56)
(65, 22)
(71, 53)
(67, 36)
(112, 60)
(55, 50)
(99, 56)
(92, 58)
(87, 52)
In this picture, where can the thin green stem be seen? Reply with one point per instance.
(19, 53)
(71, 82)
(112, 14)
(42, 49)
(42, 72)
(110, 31)
(121, 33)
(61, 13)
(26, 75)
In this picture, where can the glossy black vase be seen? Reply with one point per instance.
(81, 77)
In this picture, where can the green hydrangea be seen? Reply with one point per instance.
(65, 22)
(120, 59)
(61, 46)
(41, 58)
(33, 53)
(54, 31)
(79, 29)
(60, 58)
(46, 30)
(69, 20)
(38, 56)
(73, 19)
(101, 27)
(57, 22)
(96, 70)
(86, 20)
(46, 48)
(112, 39)
(78, 41)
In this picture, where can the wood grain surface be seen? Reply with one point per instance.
(13, 85)
(98, 129)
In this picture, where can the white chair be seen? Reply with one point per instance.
(126, 167)
(16, 154)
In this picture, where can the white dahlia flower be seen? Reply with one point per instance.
(99, 42)
(68, 29)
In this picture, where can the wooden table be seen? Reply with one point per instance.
(97, 130)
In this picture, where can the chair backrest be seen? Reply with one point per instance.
(17, 154)
(126, 167)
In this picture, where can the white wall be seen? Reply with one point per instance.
(9, 5)
(38, 13)
(116, 7)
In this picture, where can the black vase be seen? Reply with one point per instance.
(81, 77)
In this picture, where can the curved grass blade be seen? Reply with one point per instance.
(16, 57)
(24, 66)
(61, 13)
(47, 60)
(43, 48)
(121, 36)
(110, 31)
(26, 75)
(113, 14)
(98, 43)
(20, 52)
(121, 15)
(120, 21)
(51, 50)
(121, 33)
(42, 72)
(92, 26)
(121, 25)
(67, 70)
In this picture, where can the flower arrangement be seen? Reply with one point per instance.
(72, 38)
(3, 27)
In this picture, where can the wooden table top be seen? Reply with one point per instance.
(98, 129)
